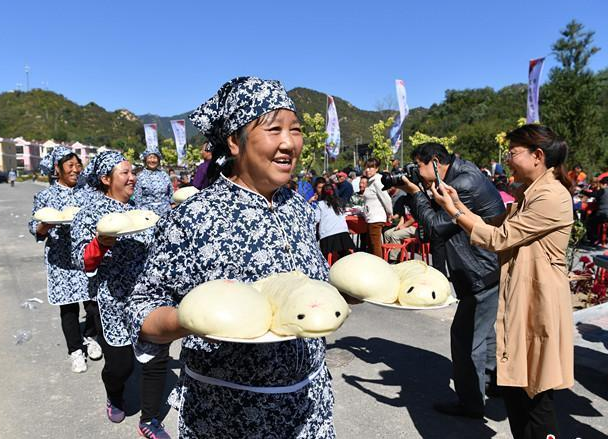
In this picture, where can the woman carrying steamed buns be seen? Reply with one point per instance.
(534, 328)
(153, 189)
(245, 226)
(113, 265)
(67, 285)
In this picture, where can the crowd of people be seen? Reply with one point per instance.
(502, 243)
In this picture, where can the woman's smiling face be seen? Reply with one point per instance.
(268, 158)
(523, 163)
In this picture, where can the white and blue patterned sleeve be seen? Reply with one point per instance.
(137, 193)
(157, 285)
(169, 187)
(33, 224)
(82, 231)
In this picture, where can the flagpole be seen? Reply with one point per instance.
(402, 144)
(325, 158)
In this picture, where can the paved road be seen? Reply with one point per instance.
(388, 366)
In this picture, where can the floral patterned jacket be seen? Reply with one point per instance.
(114, 279)
(229, 232)
(153, 191)
(65, 282)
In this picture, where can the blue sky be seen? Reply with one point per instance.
(168, 57)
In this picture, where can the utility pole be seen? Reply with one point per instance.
(27, 77)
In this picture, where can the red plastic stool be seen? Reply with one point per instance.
(386, 250)
(422, 248)
(333, 256)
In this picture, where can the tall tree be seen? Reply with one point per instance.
(570, 100)
(313, 131)
(381, 143)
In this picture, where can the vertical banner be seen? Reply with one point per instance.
(179, 132)
(332, 143)
(395, 134)
(402, 99)
(534, 71)
(150, 129)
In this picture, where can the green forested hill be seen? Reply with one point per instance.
(42, 115)
(354, 122)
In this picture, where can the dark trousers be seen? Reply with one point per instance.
(438, 256)
(118, 366)
(71, 326)
(473, 345)
(530, 418)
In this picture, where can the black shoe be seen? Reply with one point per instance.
(457, 409)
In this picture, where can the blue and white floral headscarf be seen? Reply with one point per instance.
(237, 103)
(47, 164)
(103, 164)
(151, 150)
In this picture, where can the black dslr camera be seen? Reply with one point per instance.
(410, 171)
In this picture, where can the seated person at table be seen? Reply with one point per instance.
(344, 187)
(333, 230)
(405, 228)
(357, 198)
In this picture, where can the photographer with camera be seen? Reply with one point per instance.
(474, 272)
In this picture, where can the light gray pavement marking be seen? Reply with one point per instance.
(388, 366)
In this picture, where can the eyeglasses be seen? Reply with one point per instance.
(509, 155)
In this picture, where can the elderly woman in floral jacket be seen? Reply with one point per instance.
(113, 265)
(245, 226)
(67, 286)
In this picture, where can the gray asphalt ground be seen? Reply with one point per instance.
(388, 366)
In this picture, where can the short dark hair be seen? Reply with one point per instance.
(364, 176)
(604, 180)
(533, 137)
(426, 151)
(372, 163)
(319, 180)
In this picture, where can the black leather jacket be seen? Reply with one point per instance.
(472, 269)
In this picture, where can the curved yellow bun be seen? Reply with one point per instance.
(47, 214)
(365, 276)
(113, 223)
(69, 212)
(142, 218)
(224, 308)
(184, 193)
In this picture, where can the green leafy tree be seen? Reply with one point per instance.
(501, 138)
(131, 155)
(313, 131)
(167, 149)
(570, 99)
(381, 143)
(193, 154)
(419, 138)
